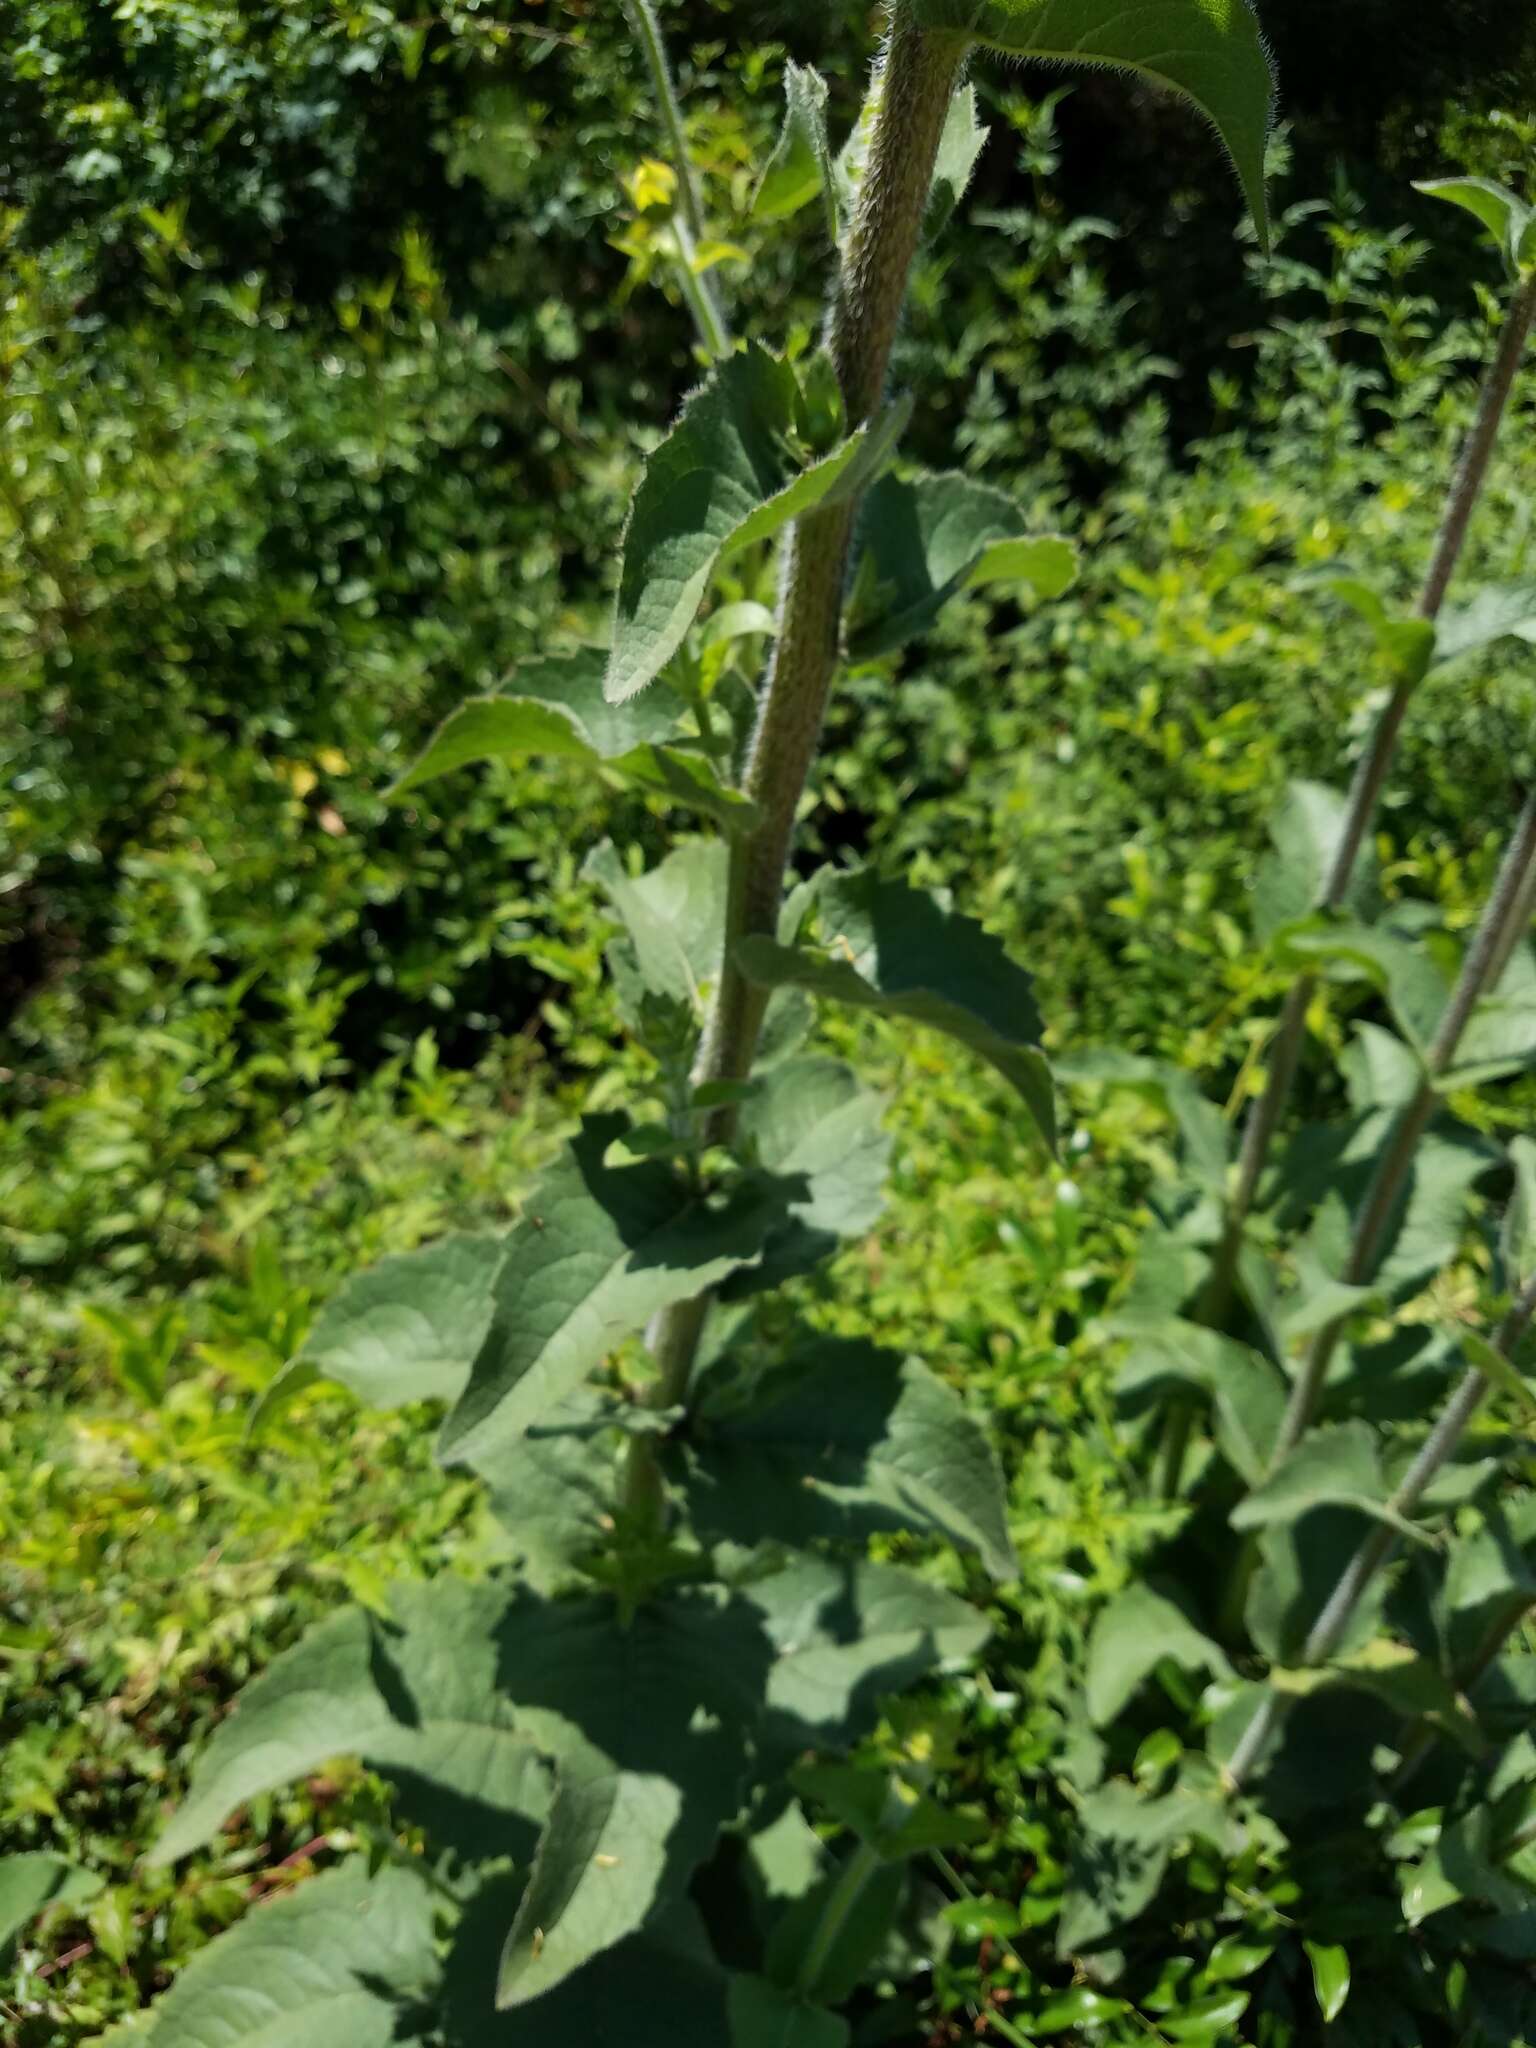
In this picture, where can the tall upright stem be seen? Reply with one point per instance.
(1395, 1166)
(913, 87)
(1379, 1547)
(698, 289)
(1365, 794)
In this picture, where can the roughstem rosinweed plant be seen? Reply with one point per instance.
(631, 1769)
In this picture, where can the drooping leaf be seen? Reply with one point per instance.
(1490, 1580)
(1506, 218)
(763, 2015)
(1131, 1636)
(930, 537)
(336, 1963)
(1330, 1977)
(847, 1635)
(1335, 1465)
(1209, 50)
(555, 705)
(827, 1943)
(1244, 1387)
(674, 916)
(1396, 1675)
(34, 1881)
(960, 146)
(801, 167)
(1306, 830)
(1517, 1235)
(1405, 641)
(419, 1700)
(843, 1439)
(903, 952)
(725, 477)
(1122, 1845)
(1379, 1070)
(406, 1329)
(811, 1120)
(1299, 1564)
(1398, 967)
(650, 1722)
(597, 1252)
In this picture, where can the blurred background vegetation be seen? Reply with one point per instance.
(330, 334)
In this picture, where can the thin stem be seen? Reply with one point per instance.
(1365, 791)
(844, 1896)
(689, 223)
(1376, 1551)
(914, 85)
(1395, 1167)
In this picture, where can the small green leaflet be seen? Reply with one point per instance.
(842, 1439)
(1130, 1638)
(1517, 1237)
(1209, 50)
(333, 1964)
(960, 148)
(35, 1880)
(675, 918)
(1406, 643)
(1305, 830)
(926, 539)
(598, 1251)
(555, 706)
(801, 165)
(725, 477)
(418, 1698)
(1244, 1386)
(406, 1329)
(905, 953)
(1510, 222)
(1330, 1977)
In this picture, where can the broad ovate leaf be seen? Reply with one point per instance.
(555, 706)
(842, 1439)
(598, 1251)
(35, 1881)
(929, 537)
(905, 953)
(407, 1329)
(1306, 830)
(800, 168)
(725, 477)
(335, 1963)
(419, 1698)
(1130, 1638)
(1211, 51)
(1499, 611)
(1335, 1465)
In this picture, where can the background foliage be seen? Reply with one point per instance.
(323, 335)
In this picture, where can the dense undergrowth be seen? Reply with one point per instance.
(260, 1026)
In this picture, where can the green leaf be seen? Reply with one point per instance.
(651, 1722)
(928, 538)
(675, 918)
(332, 1964)
(812, 1121)
(1504, 216)
(842, 1439)
(725, 477)
(801, 165)
(1336, 1465)
(1489, 1582)
(407, 1329)
(960, 147)
(419, 1699)
(1398, 968)
(892, 1817)
(1130, 1638)
(1121, 1849)
(1498, 1370)
(847, 1635)
(765, 2016)
(554, 1492)
(35, 1880)
(905, 953)
(1405, 642)
(1299, 1564)
(597, 1252)
(1306, 830)
(1245, 1388)
(1209, 50)
(555, 706)
(1205, 1131)
(1501, 611)
(1517, 1235)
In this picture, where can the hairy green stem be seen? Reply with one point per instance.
(1394, 1169)
(913, 87)
(1378, 1548)
(688, 224)
(1364, 796)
